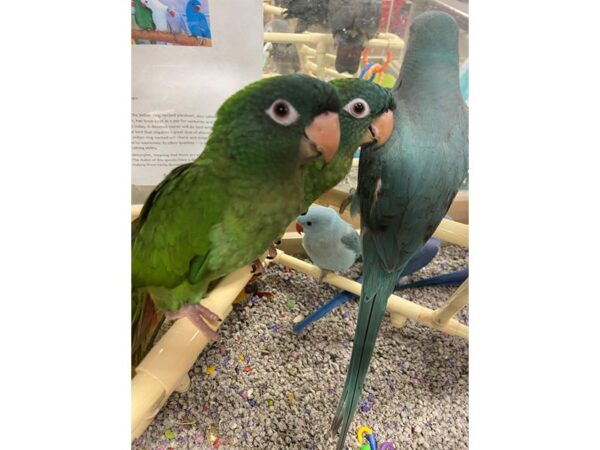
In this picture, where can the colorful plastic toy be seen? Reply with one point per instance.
(362, 431)
(370, 70)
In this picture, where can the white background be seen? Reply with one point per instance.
(65, 232)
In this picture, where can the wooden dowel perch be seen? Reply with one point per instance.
(165, 367)
(171, 38)
(396, 305)
(314, 38)
(455, 303)
(275, 10)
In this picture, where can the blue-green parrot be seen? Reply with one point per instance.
(406, 186)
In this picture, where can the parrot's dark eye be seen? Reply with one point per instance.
(309, 223)
(282, 112)
(358, 108)
(281, 109)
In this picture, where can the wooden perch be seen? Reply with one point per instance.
(179, 39)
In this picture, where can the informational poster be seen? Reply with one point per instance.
(188, 56)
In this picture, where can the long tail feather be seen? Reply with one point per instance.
(145, 323)
(377, 288)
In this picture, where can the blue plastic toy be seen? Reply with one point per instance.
(445, 279)
(418, 261)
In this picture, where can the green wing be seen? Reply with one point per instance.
(173, 233)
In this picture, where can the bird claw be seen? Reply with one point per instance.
(272, 251)
(257, 267)
(347, 200)
(198, 314)
(324, 273)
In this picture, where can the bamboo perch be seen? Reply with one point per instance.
(314, 38)
(165, 367)
(320, 58)
(455, 303)
(135, 211)
(396, 305)
(275, 10)
(313, 52)
(171, 38)
(312, 68)
(453, 232)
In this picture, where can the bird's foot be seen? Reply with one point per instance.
(257, 267)
(348, 200)
(324, 273)
(198, 315)
(272, 250)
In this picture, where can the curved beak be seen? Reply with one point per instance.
(381, 129)
(321, 137)
(299, 228)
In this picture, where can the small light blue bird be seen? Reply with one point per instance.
(330, 242)
(196, 19)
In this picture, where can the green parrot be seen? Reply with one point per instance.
(366, 115)
(143, 16)
(406, 186)
(220, 212)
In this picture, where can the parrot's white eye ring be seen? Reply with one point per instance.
(282, 112)
(358, 108)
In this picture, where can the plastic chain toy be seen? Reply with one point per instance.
(372, 443)
(369, 70)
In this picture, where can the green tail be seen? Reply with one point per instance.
(377, 287)
(145, 323)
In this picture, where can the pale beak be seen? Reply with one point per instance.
(299, 228)
(381, 129)
(321, 137)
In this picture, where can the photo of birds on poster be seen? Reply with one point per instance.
(171, 22)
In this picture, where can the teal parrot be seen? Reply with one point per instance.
(220, 212)
(366, 115)
(406, 186)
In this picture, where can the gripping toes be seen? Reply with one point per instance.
(198, 314)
